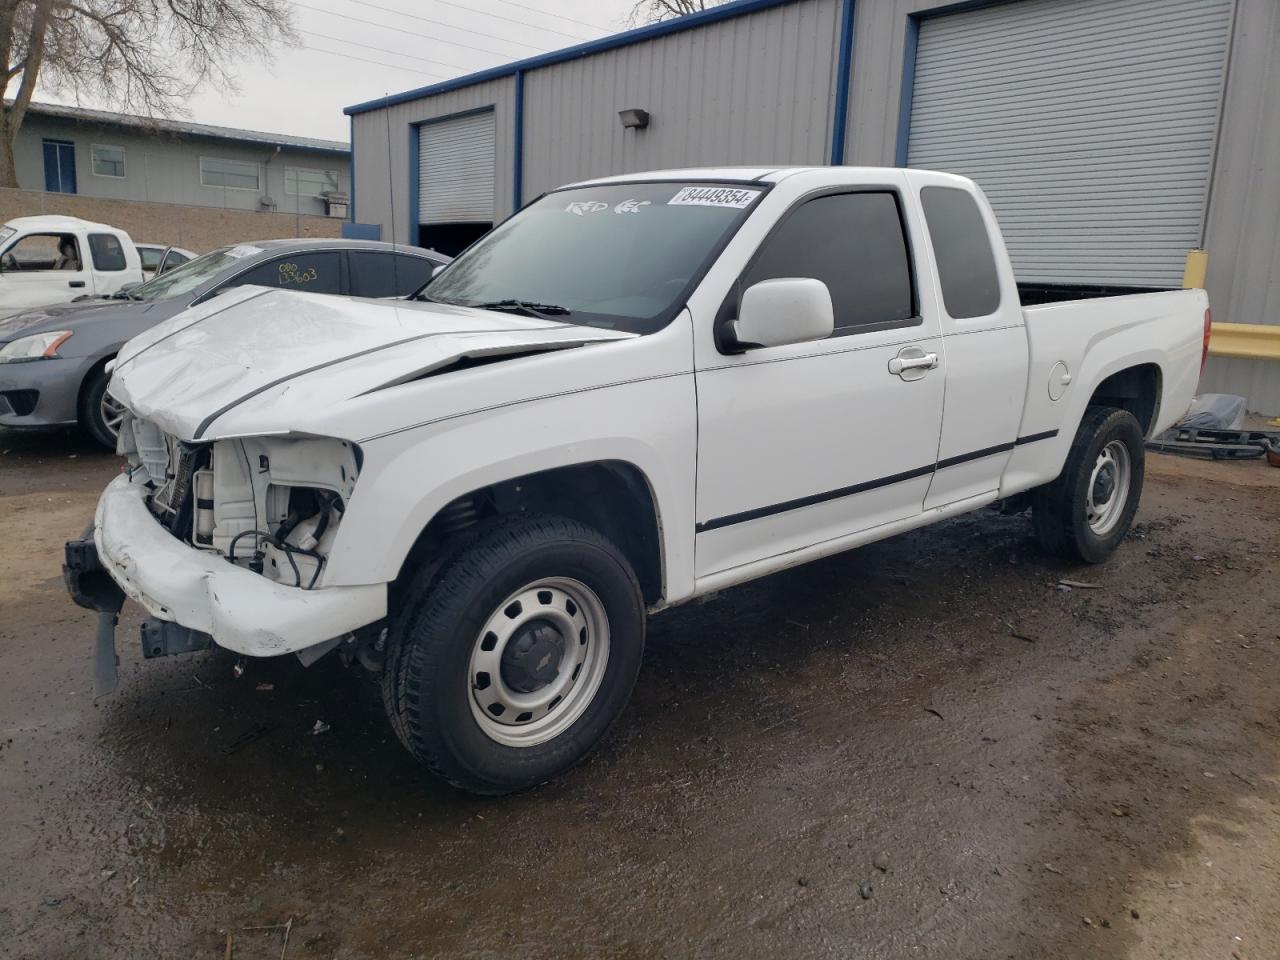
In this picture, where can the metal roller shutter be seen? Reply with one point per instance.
(1090, 124)
(456, 170)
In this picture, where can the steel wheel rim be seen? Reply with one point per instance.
(112, 414)
(1108, 488)
(519, 718)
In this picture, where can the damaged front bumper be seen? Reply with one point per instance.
(241, 610)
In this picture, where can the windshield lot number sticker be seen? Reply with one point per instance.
(714, 197)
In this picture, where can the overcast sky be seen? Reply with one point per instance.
(376, 47)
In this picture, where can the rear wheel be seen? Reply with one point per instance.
(99, 414)
(516, 660)
(1087, 511)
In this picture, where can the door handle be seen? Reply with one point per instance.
(912, 363)
(75, 283)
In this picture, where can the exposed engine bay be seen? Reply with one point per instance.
(270, 504)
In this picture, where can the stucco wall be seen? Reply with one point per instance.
(192, 227)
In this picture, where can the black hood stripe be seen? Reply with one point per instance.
(204, 424)
(207, 421)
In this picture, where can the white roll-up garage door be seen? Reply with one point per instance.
(456, 170)
(1090, 124)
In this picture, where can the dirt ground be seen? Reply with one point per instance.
(923, 748)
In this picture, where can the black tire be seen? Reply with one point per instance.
(1060, 509)
(90, 411)
(428, 687)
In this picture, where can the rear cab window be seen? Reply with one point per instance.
(962, 249)
(108, 254)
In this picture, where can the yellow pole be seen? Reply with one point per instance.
(1197, 267)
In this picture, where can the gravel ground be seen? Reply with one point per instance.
(923, 748)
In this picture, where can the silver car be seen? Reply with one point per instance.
(53, 359)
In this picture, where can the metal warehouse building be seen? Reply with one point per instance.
(1112, 136)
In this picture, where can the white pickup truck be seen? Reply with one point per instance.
(634, 392)
(52, 259)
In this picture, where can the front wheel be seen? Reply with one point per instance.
(100, 414)
(1087, 511)
(518, 657)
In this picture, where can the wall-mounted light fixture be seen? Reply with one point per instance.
(634, 118)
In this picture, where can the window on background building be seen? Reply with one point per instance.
(303, 182)
(107, 161)
(233, 174)
(59, 166)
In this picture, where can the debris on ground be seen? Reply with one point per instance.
(866, 891)
(881, 862)
(265, 687)
(253, 734)
(1079, 585)
(319, 728)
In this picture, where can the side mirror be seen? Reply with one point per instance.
(774, 313)
(437, 270)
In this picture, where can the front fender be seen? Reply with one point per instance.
(407, 477)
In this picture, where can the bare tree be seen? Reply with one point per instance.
(144, 55)
(654, 11)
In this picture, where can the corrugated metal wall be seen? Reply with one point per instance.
(1243, 226)
(754, 89)
(1090, 126)
(1243, 235)
(378, 185)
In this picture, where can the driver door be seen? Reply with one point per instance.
(809, 443)
(31, 276)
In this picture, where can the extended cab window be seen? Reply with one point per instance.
(108, 254)
(962, 248)
(855, 244)
(310, 272)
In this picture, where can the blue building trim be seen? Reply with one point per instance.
(724, 11)
(844, 75)
(910, 48)
(908, 90)
(351, 172)
(412, 235)
(517, 183)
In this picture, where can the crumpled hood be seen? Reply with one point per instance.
(287, 357)
(66, 316)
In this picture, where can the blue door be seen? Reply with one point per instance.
(59, 166)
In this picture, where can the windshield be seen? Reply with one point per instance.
(192, 274)
(6, 233)
(616, 255)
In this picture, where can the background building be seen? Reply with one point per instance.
(1112, 136)
(144, 176)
